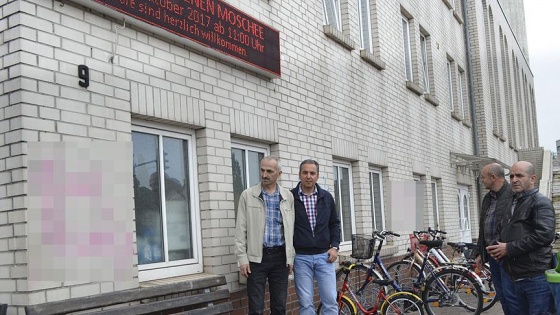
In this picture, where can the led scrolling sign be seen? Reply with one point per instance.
(211, 23)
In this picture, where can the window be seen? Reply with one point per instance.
(425, 68)
(164, 191)
(461, 93)
(344, 199)
(376, 195)
(450, 84)
(331, 12)
(407, 48)
(458, 7)
(245, 164)
(435, 205)
(365, 25)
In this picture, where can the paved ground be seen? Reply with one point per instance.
(495, 310)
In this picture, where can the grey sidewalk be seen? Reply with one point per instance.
(494, 310)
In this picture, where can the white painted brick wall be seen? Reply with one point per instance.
(328, 102)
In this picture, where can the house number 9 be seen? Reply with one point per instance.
(83, 74)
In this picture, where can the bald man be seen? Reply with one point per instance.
(524, 249)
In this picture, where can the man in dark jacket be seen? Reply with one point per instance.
(495, 203)
(316, 241)
(525, 237)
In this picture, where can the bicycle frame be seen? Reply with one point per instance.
(381, 299)
(440, 260)
(381, 296)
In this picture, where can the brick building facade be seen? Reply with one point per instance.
(385, 94)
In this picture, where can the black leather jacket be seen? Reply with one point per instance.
(504, 198)
(528, 234)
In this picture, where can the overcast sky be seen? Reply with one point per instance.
(541, 17)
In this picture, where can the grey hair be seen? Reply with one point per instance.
(273, 158)
(496, 168)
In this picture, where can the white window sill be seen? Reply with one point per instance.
(372, 59)
(338, 37)
(414, 87)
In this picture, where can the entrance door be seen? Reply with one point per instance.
(464, 214)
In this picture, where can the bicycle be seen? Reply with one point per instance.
(371, 297)
(437, 258)
(483, 272)
(441, 287)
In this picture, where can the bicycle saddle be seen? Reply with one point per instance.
(432, 244)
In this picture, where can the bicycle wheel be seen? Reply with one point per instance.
(356, 279)
(345, 307)
(452, 291)
(489, 292)
(402, 303)
(405, 273)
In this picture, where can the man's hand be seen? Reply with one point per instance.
(333, 254)
(245, 270)
(478, 261)
(290, 269)
(497, 251)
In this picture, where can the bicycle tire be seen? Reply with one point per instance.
(345, 307)
(464, 294)
(356, 278)
(489, 297)
(405, 273)
(489, 291)
(402, 303)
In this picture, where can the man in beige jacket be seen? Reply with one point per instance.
(264, 239)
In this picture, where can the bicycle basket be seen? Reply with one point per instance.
(363, 246)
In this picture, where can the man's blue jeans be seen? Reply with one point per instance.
(308, 267)
(534, 296)
(505, 290)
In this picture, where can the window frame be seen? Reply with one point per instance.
(187, 266)
(365, 28)
(451, 90)
(435, 203)
(247, 146)
(345, 244)
(460, 94)
(379, 173)
(337, 14)
(425, 62)
(407, 48)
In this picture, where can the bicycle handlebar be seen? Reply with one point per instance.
(432, 232)
(435, 232)
(383, 234)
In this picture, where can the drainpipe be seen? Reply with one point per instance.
(472, 96)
